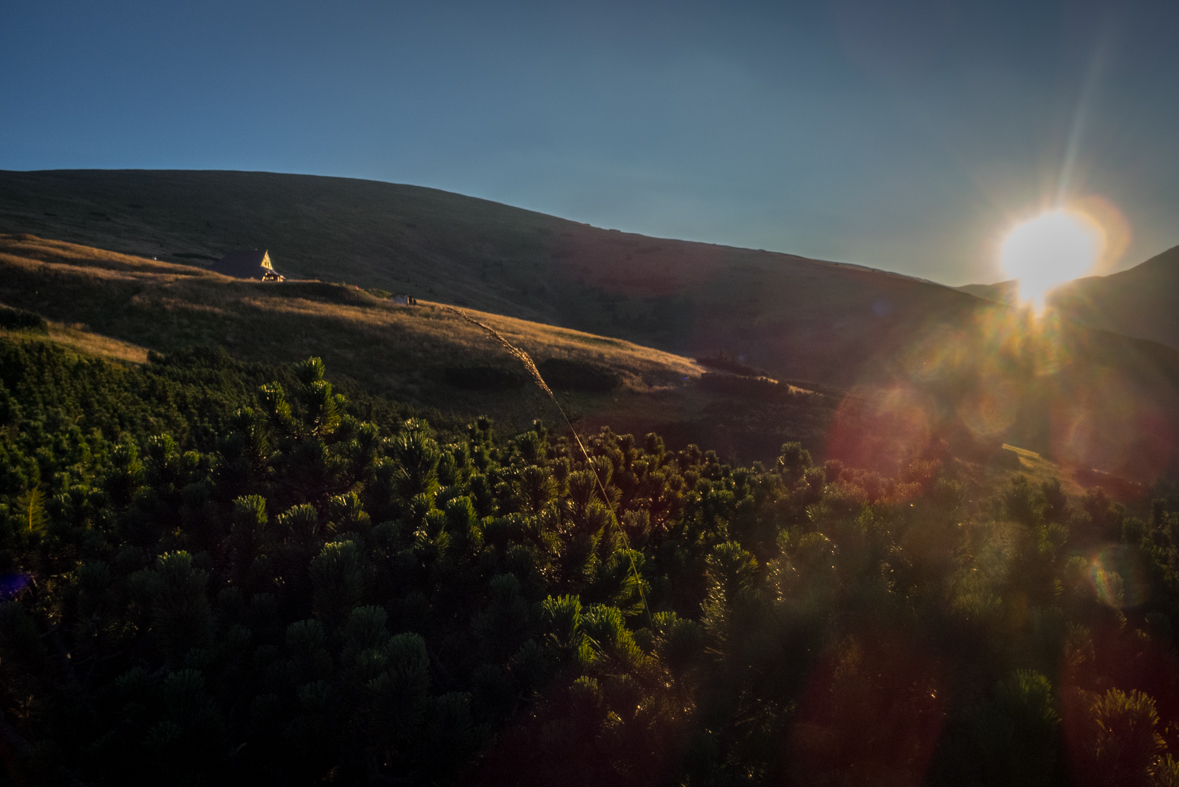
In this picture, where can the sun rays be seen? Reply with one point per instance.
(1055, 247)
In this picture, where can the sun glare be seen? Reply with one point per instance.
(1049, 250)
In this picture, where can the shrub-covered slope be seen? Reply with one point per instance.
(211, 582)
(940, 362)
(424, 354)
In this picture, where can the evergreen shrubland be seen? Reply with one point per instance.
(221, 573)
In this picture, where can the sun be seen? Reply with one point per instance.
(1054, 247)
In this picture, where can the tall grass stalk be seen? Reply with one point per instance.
(525, 359)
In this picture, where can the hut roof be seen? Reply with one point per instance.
(245, 264)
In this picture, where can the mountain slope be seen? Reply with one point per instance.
(921, 363)
(1001, 292)
(793, 316)
(1142, 302)
(423, 354)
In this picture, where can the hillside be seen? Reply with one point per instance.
(1001, 292)
(121, 306)
(1142, 302)
(225, 573)
(793, 316)
(907, 362)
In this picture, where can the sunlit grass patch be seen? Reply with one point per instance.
(84, 342)
(91, 343)
(1039, 468)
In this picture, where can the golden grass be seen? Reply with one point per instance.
(1039, 469)
(83, 342)
(89, 343)
(31, 248)
(186, 290)
(987, 479)
(132, 305)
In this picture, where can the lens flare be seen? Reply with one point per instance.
(1049, 250)
(1117, 577)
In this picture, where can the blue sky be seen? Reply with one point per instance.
(901, 134)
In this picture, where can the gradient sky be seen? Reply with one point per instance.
(901, 134)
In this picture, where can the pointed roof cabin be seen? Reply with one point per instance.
(247, 264)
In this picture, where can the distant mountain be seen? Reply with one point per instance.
(1142, 302)
(1000, 292)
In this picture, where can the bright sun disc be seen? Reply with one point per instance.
(1053, 248)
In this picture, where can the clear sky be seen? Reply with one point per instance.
(902, 134)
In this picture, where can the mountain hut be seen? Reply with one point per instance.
(247, 264)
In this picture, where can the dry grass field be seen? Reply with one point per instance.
(164, 305)
(83, 342)
(120, 306)
(796, 317)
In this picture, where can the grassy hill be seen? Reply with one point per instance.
(913, 363)
(120, 306)
(793, 316)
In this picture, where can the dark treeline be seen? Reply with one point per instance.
(216, 573)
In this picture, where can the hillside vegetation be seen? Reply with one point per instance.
(423, 354)
(913, 363)
(222, 573)
(225, 562)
